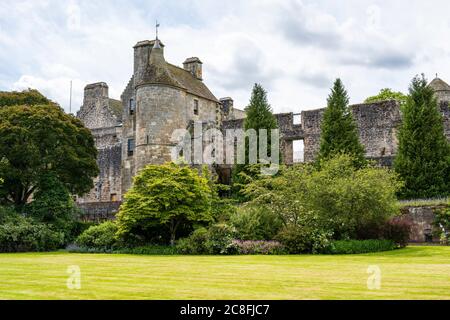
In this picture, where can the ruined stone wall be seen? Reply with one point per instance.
(107, 132)
(377, 125)
(107, 186)
(421, 220)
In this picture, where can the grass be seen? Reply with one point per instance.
(425, 202)
(411, 273)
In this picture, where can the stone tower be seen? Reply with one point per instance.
(441, 89)
(159, 99)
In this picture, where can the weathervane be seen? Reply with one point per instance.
(157, 26)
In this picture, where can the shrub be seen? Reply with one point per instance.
(397, 231)
(337, 196)
(195, 243)
(149, 250)
(165, 196)
(298, 240)
(21, 234)
(220, 239)
(255, 223)
(259, 247)
(100, 237)
(359, 246)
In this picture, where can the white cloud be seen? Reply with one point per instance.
(294, 48)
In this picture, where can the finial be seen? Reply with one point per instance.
(157, 26)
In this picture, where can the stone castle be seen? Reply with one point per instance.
(161, 97)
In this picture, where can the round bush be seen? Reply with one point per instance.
(102, 236)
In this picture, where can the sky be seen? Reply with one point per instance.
(295, 49)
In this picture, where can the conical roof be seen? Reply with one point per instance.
(156, 71)
(439, 85)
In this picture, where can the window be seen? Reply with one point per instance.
(297, 118)
(113, 197)
(196, 107)
(132, 106)
(131, 146)
(298, 151)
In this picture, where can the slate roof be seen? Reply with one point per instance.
(158, 71)
(439, 85)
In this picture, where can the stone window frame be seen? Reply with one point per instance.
(131, 144)
(196, 107)
(132, 106)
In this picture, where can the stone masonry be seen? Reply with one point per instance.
(161, 98)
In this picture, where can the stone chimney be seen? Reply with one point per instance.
(194, 66)
(227, 105)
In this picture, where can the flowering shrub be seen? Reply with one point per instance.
(259, 247)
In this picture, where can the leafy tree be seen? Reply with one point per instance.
(165, 195)
(28, 97)
(335, 198)
(339, 133)
(52, 204)
(39, 140)
(387, 94)
(259, 116)
(423, 158)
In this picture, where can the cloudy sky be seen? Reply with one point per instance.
(293, 48)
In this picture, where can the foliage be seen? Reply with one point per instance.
(253, 222)
(164, 195)
(335, 198)
(218, 239)
(100, 237)
(360, 246)
(339, 133)
(19, 234)
(398, 231)
(39, 140)
(28, 97)
(304, 239)
(142, 250)
(387, 94)
(442, 222)
(52, 204)
(259, 116)
(423, 158)
(259, 247)
(195, 243)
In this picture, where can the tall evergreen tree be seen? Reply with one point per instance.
(339, 133)
(423, 158)
(259, 116)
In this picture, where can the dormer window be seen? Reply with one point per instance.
(132, 106)
(196, 107)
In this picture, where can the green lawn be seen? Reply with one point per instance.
(411, 273)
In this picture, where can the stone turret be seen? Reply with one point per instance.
(441, 89)
(159, 98)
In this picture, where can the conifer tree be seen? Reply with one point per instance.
(423, 158)
(339, 133)
(259, 116)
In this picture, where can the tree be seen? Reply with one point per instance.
(28, 97)
(259, 116)
(339, 133)
(39, 140)
(165, 195)
(335, 198)
(423, 158)
(52, 204)
(388, 94)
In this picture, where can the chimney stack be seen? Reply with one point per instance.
(194, 66)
